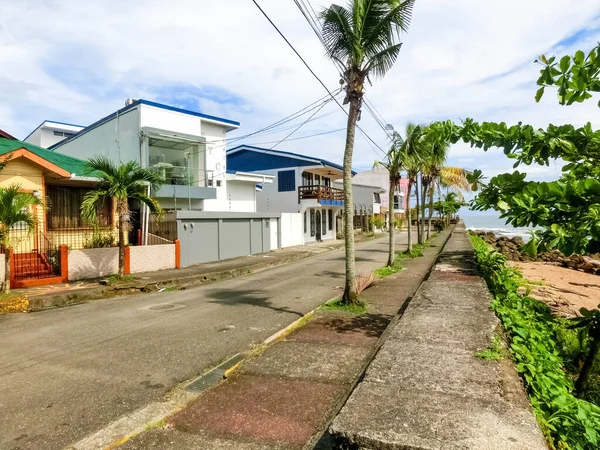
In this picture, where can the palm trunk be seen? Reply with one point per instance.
(586, 375)
(6, 284)
(350, 296)
(423, 201)
(121, 212)
(430, 213)
(408, 216)
(419, 239)
(392, 252)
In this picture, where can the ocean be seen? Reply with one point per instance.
(494, 224)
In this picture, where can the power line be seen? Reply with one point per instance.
(301, 137)
(311, 71)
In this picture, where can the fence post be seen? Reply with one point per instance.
(177, 253)
(12, 281)
(127, 261)
(64, 263)
(139, 237)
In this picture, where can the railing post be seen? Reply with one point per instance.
(177, 253)
(127, 260)
(12, 280)
(64, 263)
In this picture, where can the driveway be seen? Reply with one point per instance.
(66, 373)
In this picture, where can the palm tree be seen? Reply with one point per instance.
(14, 207)
(393, 164)
(411, 154)
(364, 39)
(125, 182)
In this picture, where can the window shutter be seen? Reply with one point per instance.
(286, 180)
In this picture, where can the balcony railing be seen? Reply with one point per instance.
(320, 193)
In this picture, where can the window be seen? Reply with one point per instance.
(178, 163)
(312, 222)
(317, 180)
(330, 214)
(219, 184)
(307, 179)
(396, 202)
(305, 220)
(286, 180)
(326, 181)
(324, 223)
(21, 225)
(209, 183)
(376, 197)
(64, 208)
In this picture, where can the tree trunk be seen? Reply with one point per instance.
(392, 252)
(6, 284)
(424, 187)
(430, 213)
(350, 296)
(418, 211)
(585, 376)
(409, 218)
(121, 212)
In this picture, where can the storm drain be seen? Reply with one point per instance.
(213, 376)
(164, 307)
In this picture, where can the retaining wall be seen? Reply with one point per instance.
(152, 257)
(93, 263)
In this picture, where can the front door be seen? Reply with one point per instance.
(318, 225)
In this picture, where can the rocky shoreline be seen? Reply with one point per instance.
(511, 249)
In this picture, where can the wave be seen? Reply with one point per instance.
(523, 233)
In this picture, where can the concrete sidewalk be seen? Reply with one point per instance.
(48, 296)
(426, 389)
(285, 397)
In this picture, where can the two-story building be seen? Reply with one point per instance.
(379, 177)
(187, 148)
(301, 184)
(50, 133)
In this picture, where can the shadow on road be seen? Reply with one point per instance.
(246, 297)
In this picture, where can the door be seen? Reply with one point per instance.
(318, 224)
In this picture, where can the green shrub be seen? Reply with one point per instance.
(378, 222)
(567, 421)
(100, 240)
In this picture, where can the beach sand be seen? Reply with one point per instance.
(564, 290)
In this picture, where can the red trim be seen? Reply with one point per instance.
(12, 269)
(64, 263)
(36, 282)
(5, 135)
(127, 268)
(23, 152)
(177, 253)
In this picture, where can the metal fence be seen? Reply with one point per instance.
(33, 254)
(160, 231)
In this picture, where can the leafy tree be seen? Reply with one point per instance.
(589, 325)
(122, 183)
(364, 39)
(14, 207)
(411, 151)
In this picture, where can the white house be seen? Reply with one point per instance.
(367, 199)
(302, 184)
(379, 177)
(49, 133)
(186, 147)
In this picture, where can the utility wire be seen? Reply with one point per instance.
(312, 72)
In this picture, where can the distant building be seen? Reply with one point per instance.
(380, 177)
(49, 133)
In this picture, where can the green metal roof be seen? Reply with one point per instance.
(68, 163)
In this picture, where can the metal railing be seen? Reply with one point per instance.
(319, 193)
(34, 255)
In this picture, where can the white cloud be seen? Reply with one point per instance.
(77, 61)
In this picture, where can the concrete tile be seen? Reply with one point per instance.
(260, 409)
(364, 329)
(380, 415)
(309, 361)
(168, 439)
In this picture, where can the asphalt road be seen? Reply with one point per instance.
(68, 372)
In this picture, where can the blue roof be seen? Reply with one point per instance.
(135, 103)
(53, 121)
(248, 158)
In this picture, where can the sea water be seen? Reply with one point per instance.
(496, 225)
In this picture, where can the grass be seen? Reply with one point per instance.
(160, 424)
(337, 305)
(116, 279)
(416, 252)
(493, 352)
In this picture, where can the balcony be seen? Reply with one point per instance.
(324, 195)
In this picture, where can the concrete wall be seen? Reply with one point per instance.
(152, 257)
(215, 136)
(241, 196)
(93, 263)
(117, 141)
(291, 229)
(2, 267)
(363, 197)
(271, 200)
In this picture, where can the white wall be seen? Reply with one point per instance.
(2, 267)
(241, 196)
(173, 121)
(93, 263)
(150, 258)
(329, 234)
(215, 136)
(271, 200)
(291, 230)
(115, 139)
(274, 234)
(363, 196)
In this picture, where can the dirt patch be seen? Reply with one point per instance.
(564, 290)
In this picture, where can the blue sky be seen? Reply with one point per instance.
(75, 62)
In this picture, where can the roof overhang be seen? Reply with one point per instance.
(249, 177)
(24, 153)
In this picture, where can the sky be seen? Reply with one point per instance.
(73, 61)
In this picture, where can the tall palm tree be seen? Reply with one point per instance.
(125, 182)
(430, 172)
(393, 164)
(14, 207)
(364, 39)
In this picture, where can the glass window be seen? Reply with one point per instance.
(286, 180)
(178, 162)
(330, 214)
(307, 179)
(305, 220)
(64, 208)
(396, 203)
(376, 197)
(312, 222)
(324, 223)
